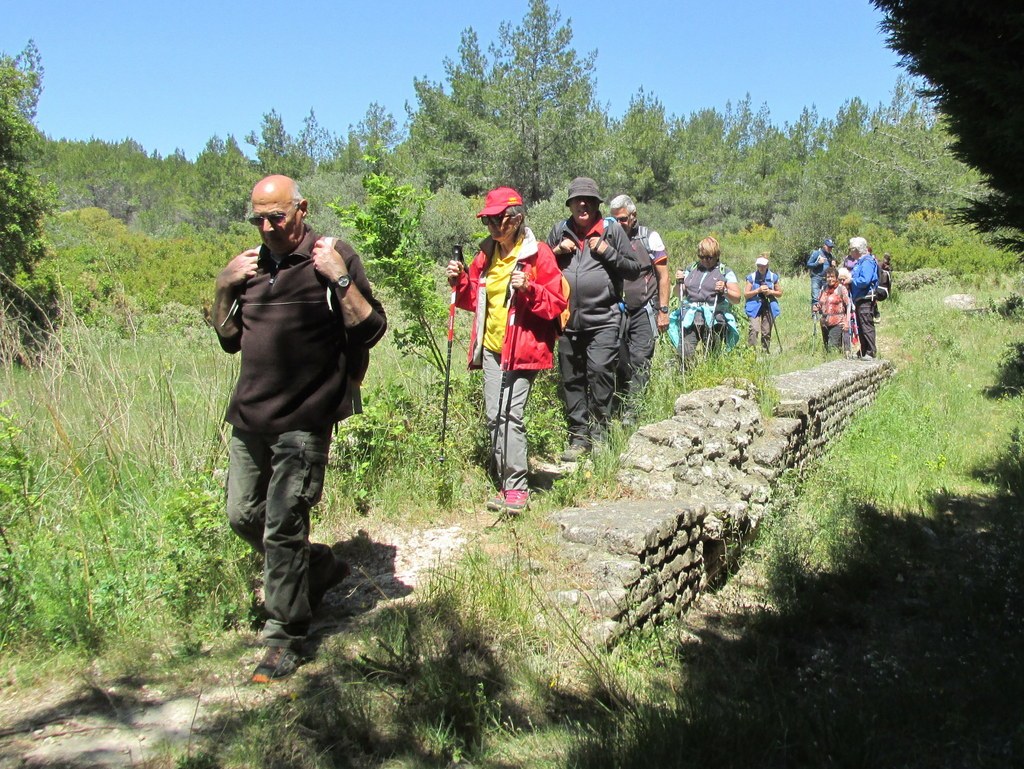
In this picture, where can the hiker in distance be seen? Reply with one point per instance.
(646, 299)
(711, 289)
(302, 314)
(833, 310)
(514, 289)
(863, 282)
(595, 257)
(762, 293)
(819, 261)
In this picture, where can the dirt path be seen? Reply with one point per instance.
(91, 723)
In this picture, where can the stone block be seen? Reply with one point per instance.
(606, 603)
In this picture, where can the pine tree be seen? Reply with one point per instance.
(972, 55)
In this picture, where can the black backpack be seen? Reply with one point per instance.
(884, 288)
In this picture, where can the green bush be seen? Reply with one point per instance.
(18, 511)
(203, 570)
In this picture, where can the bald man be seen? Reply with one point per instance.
(302, 314)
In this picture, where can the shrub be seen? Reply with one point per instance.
(203, 568)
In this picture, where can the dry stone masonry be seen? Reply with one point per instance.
(699, 484)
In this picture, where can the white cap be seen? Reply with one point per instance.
(761, 261)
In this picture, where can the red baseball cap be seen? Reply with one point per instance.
(498, 200)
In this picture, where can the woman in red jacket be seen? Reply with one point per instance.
(514, 288)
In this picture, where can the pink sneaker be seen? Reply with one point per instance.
(497, 502)
(516, 501)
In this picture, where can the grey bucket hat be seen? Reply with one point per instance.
(583, 187)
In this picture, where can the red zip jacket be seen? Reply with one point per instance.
(532, 331)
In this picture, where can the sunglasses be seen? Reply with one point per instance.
(495, 220)
(623, 219)
(274, 218)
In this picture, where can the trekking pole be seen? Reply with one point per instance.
(710, 331)
(682, 347)
(775, 330)
(457, 256)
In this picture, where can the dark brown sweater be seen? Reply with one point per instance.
(297, 355)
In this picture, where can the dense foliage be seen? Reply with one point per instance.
(26, 199)
(971, 55)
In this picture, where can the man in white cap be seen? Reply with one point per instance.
(646, 300)
(762, 293)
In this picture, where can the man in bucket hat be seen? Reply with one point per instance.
(595, 256)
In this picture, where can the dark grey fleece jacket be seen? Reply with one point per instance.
(595, 282)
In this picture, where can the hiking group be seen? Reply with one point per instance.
(844, 301)
(302, 313)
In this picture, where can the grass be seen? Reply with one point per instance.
(876, 621)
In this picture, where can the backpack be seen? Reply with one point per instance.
(635, 293)
(884, 288)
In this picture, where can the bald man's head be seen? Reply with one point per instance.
(278, 210)
(275, 186)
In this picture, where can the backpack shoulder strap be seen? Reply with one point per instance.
(645, 235)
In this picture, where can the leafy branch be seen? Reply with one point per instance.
(388, 235)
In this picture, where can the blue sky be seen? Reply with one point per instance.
(171, 75)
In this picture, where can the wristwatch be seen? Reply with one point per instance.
(344, 281)
(664, 309)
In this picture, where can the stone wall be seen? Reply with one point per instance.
(698, 484)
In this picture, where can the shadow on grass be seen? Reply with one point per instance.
(1010, 377)
(424, 689)
(910, 653)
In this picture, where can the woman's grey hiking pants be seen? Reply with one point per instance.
(504, 405)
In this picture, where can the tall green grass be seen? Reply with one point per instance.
(114, 524)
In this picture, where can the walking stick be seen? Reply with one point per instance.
(766, 306)
(709, 332)
(456, 255)
(775, 330)
(682, 347)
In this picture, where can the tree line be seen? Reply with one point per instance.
(523, 112)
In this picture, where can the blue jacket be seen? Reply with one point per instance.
(818, 270)
(864, 278)
(753, 306)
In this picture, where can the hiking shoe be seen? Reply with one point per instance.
(867, 357)
(317, 591)
(279, 662)
(516, 501)
(497, 502)
(573, 453)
